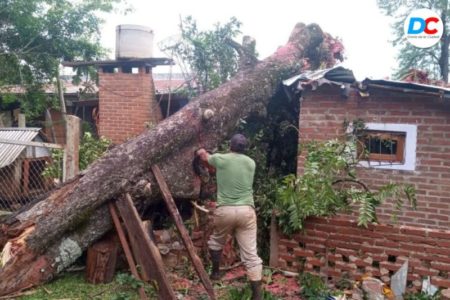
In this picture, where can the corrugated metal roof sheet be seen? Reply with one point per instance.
(340, 75)
(334, 74)
(9, 152)
(409, 86)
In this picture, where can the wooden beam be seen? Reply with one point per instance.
(171, 206)
(34, 144)
(126, 248)
(154, 61)
(146, 250)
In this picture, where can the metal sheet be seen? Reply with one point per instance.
(335, 75)
(9, 152)
(340, 75)
(409, 86)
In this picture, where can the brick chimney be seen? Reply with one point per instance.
(127, 102)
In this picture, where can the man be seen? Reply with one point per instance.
(235, 213)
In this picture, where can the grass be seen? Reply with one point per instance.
(74, 286)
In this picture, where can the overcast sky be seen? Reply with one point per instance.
(365, 32)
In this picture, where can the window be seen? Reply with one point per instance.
(382, 146)
(389, 146)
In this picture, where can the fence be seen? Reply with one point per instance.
(27, 173)
(30, 168)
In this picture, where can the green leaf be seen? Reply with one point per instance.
(330, 184)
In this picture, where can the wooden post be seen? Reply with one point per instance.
(171, 206)
(71, 159)
(126, 248)
(273, 260)
(146, 250)
(101, 260)
(22, 121)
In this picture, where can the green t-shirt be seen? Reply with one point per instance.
(234, 172)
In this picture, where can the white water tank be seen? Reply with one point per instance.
(133, 41)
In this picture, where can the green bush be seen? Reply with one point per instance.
(313, 287)
(90, 149)
(330, 184)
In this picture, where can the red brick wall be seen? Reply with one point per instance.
(126, 104)
(337, 248)
(323, 112)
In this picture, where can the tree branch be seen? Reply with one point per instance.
(344, 180)
(433, 55)
(246, 51)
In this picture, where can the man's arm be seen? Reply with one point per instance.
(203, 154)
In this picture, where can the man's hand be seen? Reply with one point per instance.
(203, 154)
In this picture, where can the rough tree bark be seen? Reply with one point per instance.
(52, 234)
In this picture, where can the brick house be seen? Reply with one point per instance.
(408, 142)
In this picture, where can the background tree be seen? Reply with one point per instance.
(435, 60)
(35, 35)
(206, 57)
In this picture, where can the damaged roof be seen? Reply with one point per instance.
(340, 76)
(332, 75)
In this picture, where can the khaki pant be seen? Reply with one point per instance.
(240, 221)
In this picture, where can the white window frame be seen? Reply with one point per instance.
(409, 163)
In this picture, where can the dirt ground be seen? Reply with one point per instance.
(280, 286)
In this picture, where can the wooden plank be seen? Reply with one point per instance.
(171, 206)
(126, 248)
(135, 256)
(35, 144)
(140, 260)
(147, 252)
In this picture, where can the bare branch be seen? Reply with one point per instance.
(246, 51)
(351, 180)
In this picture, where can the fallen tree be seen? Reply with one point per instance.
(46, 238)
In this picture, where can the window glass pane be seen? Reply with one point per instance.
(382, 146)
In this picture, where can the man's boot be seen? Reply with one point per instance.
(256, 290)
(215, 260)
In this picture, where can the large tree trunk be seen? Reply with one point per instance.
(51, 235)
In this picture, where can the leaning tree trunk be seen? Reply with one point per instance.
(52, 234)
